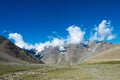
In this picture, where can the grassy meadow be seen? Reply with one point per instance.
(95, 71)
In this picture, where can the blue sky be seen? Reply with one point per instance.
(35, 20)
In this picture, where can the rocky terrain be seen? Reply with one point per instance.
(9, 52)
(73, 53)
(112, 54)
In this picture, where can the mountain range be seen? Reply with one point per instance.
(65, 54)
(74, 53)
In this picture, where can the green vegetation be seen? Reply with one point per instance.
(10, 68)
(100, 71)
(110, 62)
(105, 62)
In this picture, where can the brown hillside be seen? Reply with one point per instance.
(74, 53)
(12, 53)
(112, 54)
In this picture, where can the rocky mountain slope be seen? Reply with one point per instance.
(112, 54)
(65, 54)
(12, 53)
(73, 53)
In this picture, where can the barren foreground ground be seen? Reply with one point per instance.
(96, 71)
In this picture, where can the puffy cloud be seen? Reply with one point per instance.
(38, 46)
(94, 37)
(103, 32)
(76, 35)
(57, 42)
(19, 41)
(41, 46)
(111, 37)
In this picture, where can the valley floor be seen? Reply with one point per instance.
(100, 71)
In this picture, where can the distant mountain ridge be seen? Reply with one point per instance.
(73, 53)
(112, 54)
(9, 52)
(64, 54)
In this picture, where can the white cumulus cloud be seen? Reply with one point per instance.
(110, 37)
(103, 32)
(76, 35)
(41, 46)
(19, 41)
(57, 42)
(37, 46)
